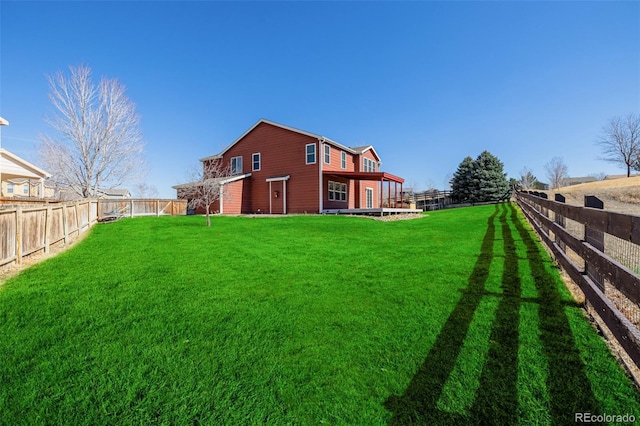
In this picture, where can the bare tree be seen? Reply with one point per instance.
(206, 186)
(556, 172)
(99, 142)
(144, 190)
(620, 141)
(527, 179)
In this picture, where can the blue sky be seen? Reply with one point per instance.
(426, 83)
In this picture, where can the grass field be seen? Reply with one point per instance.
(455, 318)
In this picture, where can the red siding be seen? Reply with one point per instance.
(336, 162)
(282, 152)
(232, 202)
(349, 204)
(375, 185)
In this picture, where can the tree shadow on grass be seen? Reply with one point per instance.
(496, 399)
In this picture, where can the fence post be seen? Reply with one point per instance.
(77, 217)
(157, 208)
(19, 234)
(544, 212)
(596, 239)
(65, 223)
(47, 227)
(560, 221)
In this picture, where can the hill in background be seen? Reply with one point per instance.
(619, 195)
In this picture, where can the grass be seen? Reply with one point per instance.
(458, 317)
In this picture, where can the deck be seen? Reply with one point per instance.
(372, 212)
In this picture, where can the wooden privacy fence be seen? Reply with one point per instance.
(600, 251)
(25, 229)
(141, 207)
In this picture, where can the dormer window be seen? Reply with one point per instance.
(369, 165)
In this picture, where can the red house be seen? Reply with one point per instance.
(278, 169)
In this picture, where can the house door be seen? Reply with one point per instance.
(277, 197)
(369, 198)
(278, 194)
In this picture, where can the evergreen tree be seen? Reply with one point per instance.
(461, 181)
(490, 180)
(479, 180)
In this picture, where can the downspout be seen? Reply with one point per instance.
(221, 198)
(284, 197)
(320, 161)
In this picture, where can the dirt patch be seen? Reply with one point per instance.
(394, 217)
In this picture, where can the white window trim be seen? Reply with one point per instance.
(368, 165)
(253, 162)
(10, 188)
(368, 190)
(306, 153)
(236, 171)
(343, 159)
(327, 154)
(341, 191)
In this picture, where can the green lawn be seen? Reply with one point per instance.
(455, 318)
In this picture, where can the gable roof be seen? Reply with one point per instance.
(14, 165)
(365, 148)
(292, 129)
(114, 192)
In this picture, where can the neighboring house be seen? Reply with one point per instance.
(111, 193)
(578, 180)
(278, 169)
(114, 193)
(20, 178)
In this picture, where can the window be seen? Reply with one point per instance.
(311, 153)
(255, 160)
(327, 154)
(369, 197)
(236, 165)
(343, 160)
(9, 188)
(337, 191)
(25, 189)
(369, 165)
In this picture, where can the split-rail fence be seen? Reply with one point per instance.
(600, 251)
